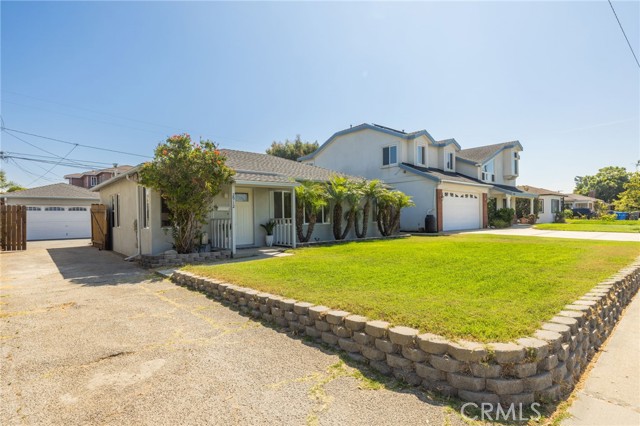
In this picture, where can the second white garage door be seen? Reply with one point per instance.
(460, 211)
(57, 223)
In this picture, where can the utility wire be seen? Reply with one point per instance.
(43, 161)
(36, 157)
(7, 130)
(52, 167)
(624, 34)
(28, 171)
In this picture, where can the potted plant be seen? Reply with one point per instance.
(268, 227)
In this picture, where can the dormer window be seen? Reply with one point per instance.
(421, 155)
(93, 181)
(516, 157)
(389, 155)
(488, 172)
(450, 161)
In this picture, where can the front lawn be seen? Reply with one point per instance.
(592, 225)
(482, 287)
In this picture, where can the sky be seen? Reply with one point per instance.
(557, 76)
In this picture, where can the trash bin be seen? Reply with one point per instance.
(430, 224)
(622, 215)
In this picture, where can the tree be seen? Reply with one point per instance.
(353, 199)
(605, 185)
(312, 197)
(371, 190)
(292, 150)
(390, 204)
(7, 185)
(187, 176)
(629, 199)
(338, 190)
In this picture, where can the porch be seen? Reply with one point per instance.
(506, 197)
(239, 210)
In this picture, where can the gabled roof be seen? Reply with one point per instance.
(539, 191)
(481, 154)
(382, 129)
(441, 176)
(119, 169)
(579, 197)
(56, 190)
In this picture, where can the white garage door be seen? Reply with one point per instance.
(57, 223)
(461, 211)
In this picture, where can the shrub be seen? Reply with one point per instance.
(505, 215)
(499, 223)
(609, 217)
(532, 218)
(568, 213)
(559, 217)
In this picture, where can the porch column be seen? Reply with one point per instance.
(531, 201)
(294, 236)
(233, 220)
(508, 201)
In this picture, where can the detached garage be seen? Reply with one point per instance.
(55, 212)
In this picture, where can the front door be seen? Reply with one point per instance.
(244, 217)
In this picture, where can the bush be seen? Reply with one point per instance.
(609, 217)
(559, 217)
(568, 213)
(499, 223)
(532, 219)
(505, 215)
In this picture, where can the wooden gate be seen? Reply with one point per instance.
(99, 226)
(13, 227)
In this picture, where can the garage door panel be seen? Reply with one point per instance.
(55, 225)
(461, 210)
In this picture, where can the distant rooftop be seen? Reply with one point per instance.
(119, 169)
(56, 190)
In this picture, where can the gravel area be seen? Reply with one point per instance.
(87, 338)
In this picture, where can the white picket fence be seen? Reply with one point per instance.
(284, 232)
(221, 233)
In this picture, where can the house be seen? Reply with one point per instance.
(578, 201)
(444, 180)
(91, 178)
(549, 202)
(263, 189)
(55, 212)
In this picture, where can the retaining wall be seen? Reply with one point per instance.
(172, 258)
(543, 367)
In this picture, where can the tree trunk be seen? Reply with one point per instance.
(302, 236)
(365, 221)
(337, 221)
(350, 220)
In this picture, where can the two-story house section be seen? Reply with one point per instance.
(432, 172)
(91, 178)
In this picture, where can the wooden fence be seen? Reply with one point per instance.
(13, 228)
(100, 227)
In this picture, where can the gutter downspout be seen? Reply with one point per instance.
(130, 258)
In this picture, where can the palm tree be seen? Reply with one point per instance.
(353, 200)
(337, 189)
(370, 192)
(312, 197)
(390, 204)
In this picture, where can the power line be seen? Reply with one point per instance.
(28, 171)
(38, 157)
(52, 167)
(624, 34)
(6, 130)
(60, 162)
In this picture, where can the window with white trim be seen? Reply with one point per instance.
(323, 215)
(540, 206)
(54, 209)
(281, 203)
(450, 164)
(115, 210)
(146, 207)
(389, 155)
(421, 155)
(77, 209)
(516, 157)
(93, 180)
(555, 206)
(33, 209)
(488, 172)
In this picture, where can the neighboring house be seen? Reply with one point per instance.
(263, 189)
(577, 201)
(55, 212)
(444, 180)
(91, 178)
(549, 202)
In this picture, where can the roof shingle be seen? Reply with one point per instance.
(482, 153)
(56, 190)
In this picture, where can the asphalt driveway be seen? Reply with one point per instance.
(87, 338)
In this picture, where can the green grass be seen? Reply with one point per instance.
(481, 287)
(592, 225)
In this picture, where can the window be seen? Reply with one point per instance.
(421, 155)
(146, 207)
(242, 197)
(115, 210)
(93, 180)
(555, 206)
(540, 206)
(321, 217)
(54, 209)
(488, 172)
(450, 161)
(515, 163)
(33, 209)
(165, 214)
(281, 204)
(389, 155)
(77, 209)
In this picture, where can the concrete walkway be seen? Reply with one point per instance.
(527, 231)
(610, 395)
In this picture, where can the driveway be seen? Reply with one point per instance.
(528, 231)
(87, 338)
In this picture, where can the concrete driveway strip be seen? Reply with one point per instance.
(87, 338)
(527, 231)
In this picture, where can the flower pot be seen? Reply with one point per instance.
(269, 240)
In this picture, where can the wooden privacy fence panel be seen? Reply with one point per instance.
(99, 226)
(13, 228)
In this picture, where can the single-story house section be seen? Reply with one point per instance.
(55, 212)
(549, 202)
(578, 201)
(263, 189)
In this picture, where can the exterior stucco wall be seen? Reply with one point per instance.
(547, 216)
(468, 169)
(124, 236)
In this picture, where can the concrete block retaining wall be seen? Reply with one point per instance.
(180, 259)
(543, 367)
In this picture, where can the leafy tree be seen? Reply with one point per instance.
(371, 190)
(338, 190)
(629, 199)
(390, 203)
(353, 199)
(605, 185)
(311, 196)
(292, 150)
(7, 185)
(188, 176)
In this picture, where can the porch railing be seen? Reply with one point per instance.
(284, 232)
(221, 233)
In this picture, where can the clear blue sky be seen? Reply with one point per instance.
(558, 76)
